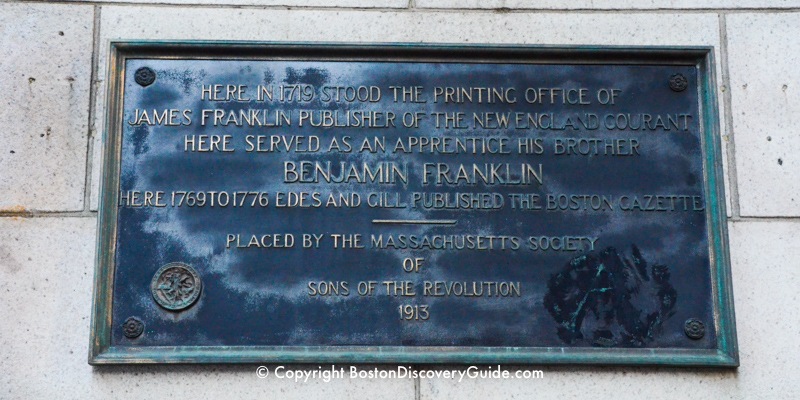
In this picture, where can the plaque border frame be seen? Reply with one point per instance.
(702, 57)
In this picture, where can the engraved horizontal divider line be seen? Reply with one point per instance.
(415, 221)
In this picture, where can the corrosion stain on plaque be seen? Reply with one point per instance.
(611, 300)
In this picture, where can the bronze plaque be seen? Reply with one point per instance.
(412, 204)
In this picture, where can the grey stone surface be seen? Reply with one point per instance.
(640, 29)
(46, 271)
(765, 291)
(607, 4)
(268, 3)
(45, 64)
(764, 54)
(46, 278)
(765, 280)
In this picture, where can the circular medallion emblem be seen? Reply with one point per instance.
(678, 82)
(144, 76)
(694, 329)
(175, 286)
(132, 328)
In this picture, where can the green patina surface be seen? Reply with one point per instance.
(725, 355)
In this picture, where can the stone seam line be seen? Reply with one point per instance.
(412, 7)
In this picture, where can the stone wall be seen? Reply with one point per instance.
(53, 61)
